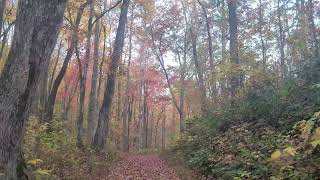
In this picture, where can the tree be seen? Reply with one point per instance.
(199, 72)
(36, 31)
(126, 109)
(61, 74)
(83, 79)
(104, 114)
(93, 92)
(234, 47)
(281, 41)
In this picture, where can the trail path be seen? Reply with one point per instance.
(142, 167)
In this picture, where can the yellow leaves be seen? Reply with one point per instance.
(316, 133)
(316, 138)
(299, 125)
(290, 150)
(317, 114)
(306, 130)
(306, 127)
(315, 143)
(35, 161)
(44, 172)
(276, 155)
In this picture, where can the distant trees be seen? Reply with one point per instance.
(182, 58)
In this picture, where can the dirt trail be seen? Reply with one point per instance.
(142, 167)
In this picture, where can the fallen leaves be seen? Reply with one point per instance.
(276, 155)
(142, 167)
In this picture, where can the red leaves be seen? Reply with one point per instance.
(142, 167)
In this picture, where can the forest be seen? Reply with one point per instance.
(160, 89)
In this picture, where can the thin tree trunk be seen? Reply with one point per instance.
(58, 80)
(313, 29)
(54, 68)
(126, 108)
(93, 93)
(84, 78)
(102, 62)
(104, 114)
(67, 108)
(163, 131)
(234, 49)
(199, 70)
(224, 81)
(263, 46)
(210, 48)
(281, 42)
(36, 31)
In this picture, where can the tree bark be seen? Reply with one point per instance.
(199, 70)
(210, 48)
(234, 48)
(313, 29)
(163, 131)
(93, 93)
(104, 114)
(281, 41)
(36, 31)
(54, 68)
(83, 81)
(263, 46)
(126, 108)
(2, 9)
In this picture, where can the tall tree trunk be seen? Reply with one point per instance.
(126, 108)
(234, 48)
(281, 41)
(210, 50)
(224, 82)
(313, 29)
(83, 80)
(144, 131)
(102, 62)
(183, 70)
(58, 80)
(104, 114)
(37, 25)
(199, 70)
(93, 93)
(263, 46)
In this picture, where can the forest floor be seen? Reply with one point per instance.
(144, 167)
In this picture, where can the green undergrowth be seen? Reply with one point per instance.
(269, 133)
(50, 153)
